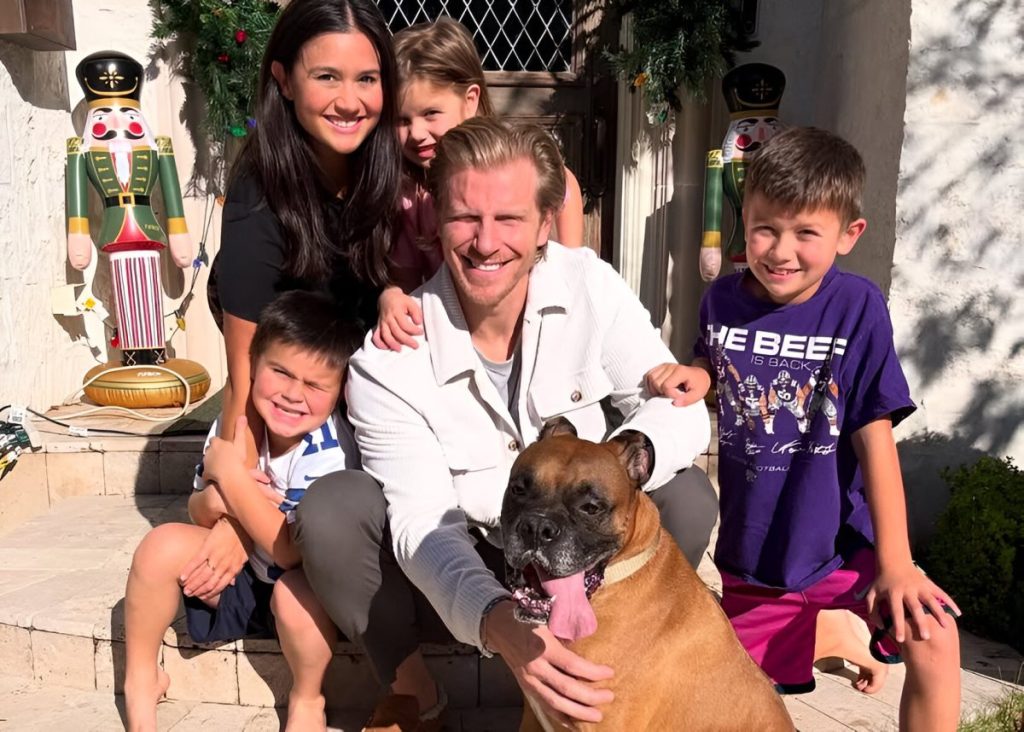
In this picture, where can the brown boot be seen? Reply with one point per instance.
(401, 713)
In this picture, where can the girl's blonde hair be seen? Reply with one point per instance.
(442, 53)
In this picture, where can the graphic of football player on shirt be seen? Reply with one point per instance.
(723, 369)
(814, 396)
(784, 392)
(754, 400)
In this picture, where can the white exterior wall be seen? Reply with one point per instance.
(44, 357)
(958, 272)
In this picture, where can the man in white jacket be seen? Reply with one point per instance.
(517, 330)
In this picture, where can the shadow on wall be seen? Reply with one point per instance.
(922, 459)
(39, 76)
(967, 304)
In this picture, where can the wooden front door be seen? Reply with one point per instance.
(543, 63)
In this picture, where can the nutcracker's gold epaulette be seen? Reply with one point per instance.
(74, 145)
(163, 145)
(714, 158)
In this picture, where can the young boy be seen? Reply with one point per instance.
(299, 353)
(812, 501)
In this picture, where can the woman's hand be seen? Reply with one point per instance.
(225, 458)
(400, 319)
(218, 561)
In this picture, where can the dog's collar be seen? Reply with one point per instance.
(618, 571)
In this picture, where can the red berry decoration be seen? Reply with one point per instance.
(223, 58)
(240, 36)
(115, 342)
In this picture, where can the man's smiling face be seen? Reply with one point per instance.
(491, 231)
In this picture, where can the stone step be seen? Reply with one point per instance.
(61, 600)
(99, 464)
(61, 620)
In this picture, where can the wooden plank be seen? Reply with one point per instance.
(835, 698)
(808, 719)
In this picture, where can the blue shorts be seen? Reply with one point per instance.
(243, 611)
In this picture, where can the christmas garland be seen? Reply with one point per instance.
(677, 44)
(221, 45)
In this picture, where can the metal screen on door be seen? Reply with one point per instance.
(535, 35)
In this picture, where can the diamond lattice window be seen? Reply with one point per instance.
(510, 35)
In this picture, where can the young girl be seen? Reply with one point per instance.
(441, 85)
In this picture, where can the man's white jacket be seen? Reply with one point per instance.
(432, 428)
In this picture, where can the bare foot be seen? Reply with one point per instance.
(306, 714)
(140, 700)
(871, 679)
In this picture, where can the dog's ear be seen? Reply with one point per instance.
(636, 454)
(557, 426)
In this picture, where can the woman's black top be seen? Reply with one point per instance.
(249, 270)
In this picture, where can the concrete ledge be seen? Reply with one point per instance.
(62, 620)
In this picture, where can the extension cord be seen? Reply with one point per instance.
(20, 415)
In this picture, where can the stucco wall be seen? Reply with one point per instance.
(956, 296)
(43, 357)
(34, 120)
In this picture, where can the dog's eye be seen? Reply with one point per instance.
(517, 489)
(592, 508)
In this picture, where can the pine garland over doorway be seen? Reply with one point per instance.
(677, 46)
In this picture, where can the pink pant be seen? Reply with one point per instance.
(777, 627)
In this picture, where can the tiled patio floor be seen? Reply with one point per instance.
(61, 650)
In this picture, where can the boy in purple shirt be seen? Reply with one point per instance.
(809, 389)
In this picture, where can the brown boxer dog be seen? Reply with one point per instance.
(587, 555)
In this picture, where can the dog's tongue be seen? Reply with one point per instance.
(572, 617)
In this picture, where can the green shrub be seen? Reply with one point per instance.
(977, 554)
(1008, 716)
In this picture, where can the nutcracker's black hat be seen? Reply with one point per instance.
(752, 87)
(108, 76)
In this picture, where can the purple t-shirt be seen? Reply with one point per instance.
(794, 383)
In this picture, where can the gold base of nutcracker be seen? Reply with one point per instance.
(140, 387)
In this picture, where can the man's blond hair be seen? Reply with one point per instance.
(485, 143)
(808, 169)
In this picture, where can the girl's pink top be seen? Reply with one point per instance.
(417, 248)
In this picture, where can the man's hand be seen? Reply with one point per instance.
(218, 561)
(907, 592)
(400, 319)
(549, 672)
(684, 385)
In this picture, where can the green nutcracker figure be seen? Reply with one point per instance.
(752, 94)
(122, 160)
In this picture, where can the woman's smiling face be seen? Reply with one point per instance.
(335, 87)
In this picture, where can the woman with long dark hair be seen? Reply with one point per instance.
(309, 206)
